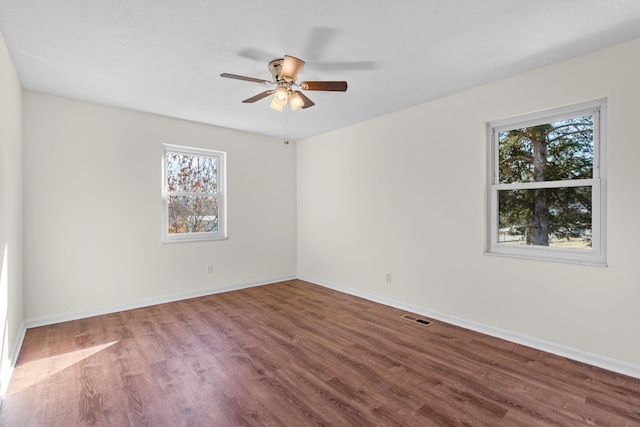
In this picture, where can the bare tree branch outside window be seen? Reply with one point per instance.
(192, 191)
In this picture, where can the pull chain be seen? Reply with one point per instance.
(286, 125)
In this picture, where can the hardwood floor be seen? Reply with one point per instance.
(296, 354)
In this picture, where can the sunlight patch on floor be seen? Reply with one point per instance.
(28, 374)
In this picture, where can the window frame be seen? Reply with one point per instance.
(596, 255)
(221, 196)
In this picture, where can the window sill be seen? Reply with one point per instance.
(193, 239)
(595, 262)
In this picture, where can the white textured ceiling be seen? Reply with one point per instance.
(165, 56)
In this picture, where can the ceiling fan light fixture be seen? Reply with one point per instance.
(274, 105)
(295, 101)
(291, 66)
(281, 95)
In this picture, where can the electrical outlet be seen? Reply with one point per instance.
(210, 269)
(388, 277)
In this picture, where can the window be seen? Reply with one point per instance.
(547, 185)
(193, 194)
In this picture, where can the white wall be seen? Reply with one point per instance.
(406, 194)
(11, 307)
(92, 210)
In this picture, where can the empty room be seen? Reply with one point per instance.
(287, 213)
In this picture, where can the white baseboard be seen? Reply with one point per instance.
(593, 359)
(50, 320)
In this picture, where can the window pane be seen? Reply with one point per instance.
(193, 214)
(191, 174)
(555, 151)
(554, 217)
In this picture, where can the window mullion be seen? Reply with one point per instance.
(181, 193)
(546, 184)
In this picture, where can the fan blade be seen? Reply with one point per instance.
(249, 79)
(256, 54)
(291, 66)
(317, 41)
(307, 102)
(329, 86)
(258, 97)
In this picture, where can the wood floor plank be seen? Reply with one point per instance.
(297, 354)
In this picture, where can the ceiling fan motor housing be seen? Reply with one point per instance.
(275, 67)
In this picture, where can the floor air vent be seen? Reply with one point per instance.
(417, 320)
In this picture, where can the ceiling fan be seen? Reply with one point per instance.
(285, 89)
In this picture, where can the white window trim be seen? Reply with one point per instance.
(221, 234)
(595, 256)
